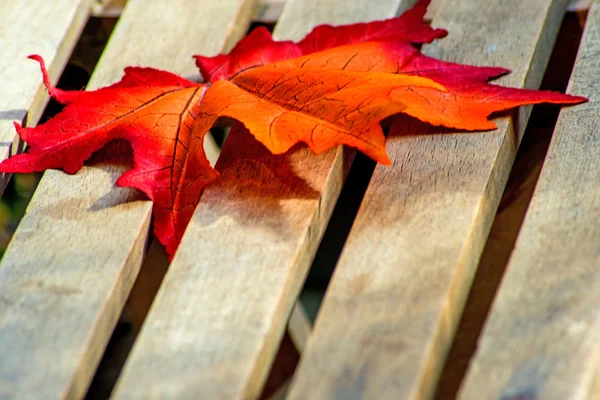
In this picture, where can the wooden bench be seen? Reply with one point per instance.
(392, 309)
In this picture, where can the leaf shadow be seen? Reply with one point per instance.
(252, 187)
(115, 158)
(17, 114)
(436, 168)
(415, 127)
(255, 184)
(251, 167)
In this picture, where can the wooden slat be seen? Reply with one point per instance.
(541, 338)
(217, 320)
(396, 296)
(67, 272)
(24, 30)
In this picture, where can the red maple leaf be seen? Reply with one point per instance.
(333, 87)
(155, 111)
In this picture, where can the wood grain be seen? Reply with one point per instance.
(24, 30)
(541, 338)
(395, 299)
(71, 264)
(218, 318)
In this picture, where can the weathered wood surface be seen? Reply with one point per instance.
(265, 11)
(396, 296)
(541, 338)
(71, 264)
(217, 320)
(24, 30)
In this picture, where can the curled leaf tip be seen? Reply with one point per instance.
(55, 93)
(45, 74)
(36, 57)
